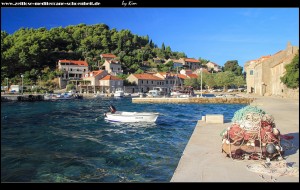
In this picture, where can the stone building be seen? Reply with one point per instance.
(263, 74)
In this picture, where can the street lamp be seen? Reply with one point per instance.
(7, 83)
(22, 76)
(201, 81)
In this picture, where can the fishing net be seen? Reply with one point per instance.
(252, 135)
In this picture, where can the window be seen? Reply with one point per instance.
(251, 72)
(147, 82)
(71, 69)
(142, 82)
(152, 82)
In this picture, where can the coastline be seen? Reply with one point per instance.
(202, 160)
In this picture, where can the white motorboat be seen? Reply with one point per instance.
(119, 93)
(131, 117)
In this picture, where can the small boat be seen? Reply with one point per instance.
(62, 96)
(130, 117)
(119, 93)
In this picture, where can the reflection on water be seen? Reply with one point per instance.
(69, 141)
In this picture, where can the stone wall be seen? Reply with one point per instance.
(194, 100)
(266, 79)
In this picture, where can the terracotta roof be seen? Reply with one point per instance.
(108, 55)
(193, 76)
(95, 73)
(113, 62)
(191, 60)
(110, 77)
(146, 77)
(74, 62)
(213, 63)
(182, 76)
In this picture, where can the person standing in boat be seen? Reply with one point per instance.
(112, 109)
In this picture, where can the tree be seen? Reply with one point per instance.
(239, 81)
(163, 46)
(291, 76)
(203, 61)
(234, 67)
(224, 79)
(70, 87)
(29, 48)
(207, 80)
(191, 82)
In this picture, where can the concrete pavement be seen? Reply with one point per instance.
(202, 160)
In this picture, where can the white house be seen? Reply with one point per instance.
(113, 67)
(214, 66)
(72, 70)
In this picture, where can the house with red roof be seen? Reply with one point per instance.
(113, 67)
(188, 73)
(198, 71)
(90, 82)
(72, 70)
(110, 83)
(146, 82)
(191, 63)
(211, 65)
(176, 63)
(107, 56)
(170, 79)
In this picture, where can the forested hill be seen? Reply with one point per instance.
(29, 48)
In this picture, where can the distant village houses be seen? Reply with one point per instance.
(106, 81)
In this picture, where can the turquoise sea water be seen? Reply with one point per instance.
(69, 141)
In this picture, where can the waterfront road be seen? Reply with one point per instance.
(202, 160)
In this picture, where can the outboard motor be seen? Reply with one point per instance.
(112, 109)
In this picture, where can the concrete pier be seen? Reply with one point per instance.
(194, 100)
(203, 161)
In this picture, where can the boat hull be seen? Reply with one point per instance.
(132, 117)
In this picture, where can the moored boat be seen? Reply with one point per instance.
(119, 93)
(130, 117)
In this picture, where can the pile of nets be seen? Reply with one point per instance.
(252, 135)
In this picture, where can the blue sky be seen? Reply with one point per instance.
(216, 34)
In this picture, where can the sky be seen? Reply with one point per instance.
(215, 34)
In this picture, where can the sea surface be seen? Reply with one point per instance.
(69, 140)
